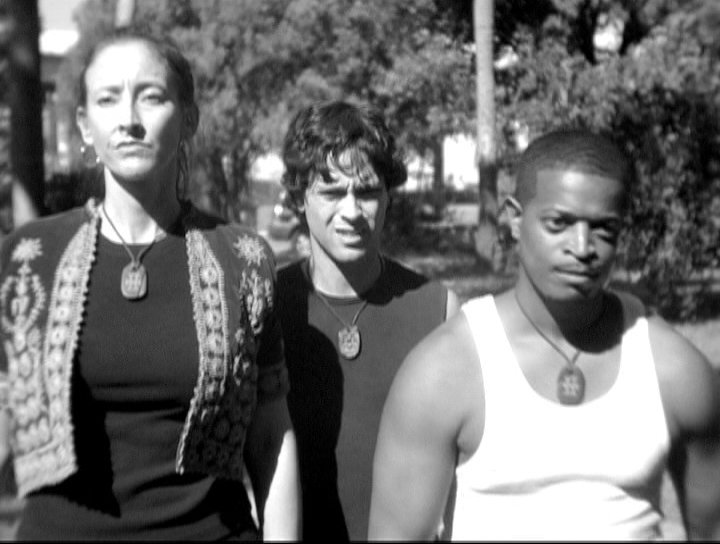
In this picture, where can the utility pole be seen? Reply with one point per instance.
(124, 13)
(486, 245)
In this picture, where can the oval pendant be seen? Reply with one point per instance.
(349, 342)
(133, 281)
(571, 385)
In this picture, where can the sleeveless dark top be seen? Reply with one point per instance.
(335, 404)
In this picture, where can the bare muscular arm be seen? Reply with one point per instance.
(424, 416)
(689, 388)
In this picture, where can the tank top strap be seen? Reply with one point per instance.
(479, 313)
(505, 386)
(637, 361)
(637, 381)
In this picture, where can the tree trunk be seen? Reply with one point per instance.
(438, 184)
(25, 97)
(124, 13)
(486, 245)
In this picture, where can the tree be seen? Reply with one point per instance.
(486, 235)
(657, 90)
(657, 93)
(124, 13)
(256, 63)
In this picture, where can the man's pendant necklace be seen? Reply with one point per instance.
(348, 337)
(133, 280)
(571, 380)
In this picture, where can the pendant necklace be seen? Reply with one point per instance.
(133, 281)
(571, 380)
(349, 342)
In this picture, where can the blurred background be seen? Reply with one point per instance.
(465, 84)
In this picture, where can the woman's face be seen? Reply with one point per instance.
(132, 115)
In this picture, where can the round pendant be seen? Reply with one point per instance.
(349, 342)
(571, 385)
(133, 281)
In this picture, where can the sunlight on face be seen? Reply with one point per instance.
(569, 232)
(346, 212)
(132, 116)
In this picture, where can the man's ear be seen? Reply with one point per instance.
(81, 122)
(512, 210)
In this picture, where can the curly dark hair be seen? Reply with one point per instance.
(325, 131)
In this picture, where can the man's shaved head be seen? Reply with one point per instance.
(571, 149)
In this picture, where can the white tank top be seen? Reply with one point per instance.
(544, 471)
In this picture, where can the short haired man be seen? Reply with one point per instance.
(557, 404)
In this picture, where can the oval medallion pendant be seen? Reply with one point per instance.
(133, 281)
(349, 342)
(571, 385)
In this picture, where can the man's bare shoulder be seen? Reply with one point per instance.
(687, 381)
(443, 364)
(449, 347)
(440, 381)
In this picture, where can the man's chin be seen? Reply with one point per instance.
(574, 293)
(353, 254)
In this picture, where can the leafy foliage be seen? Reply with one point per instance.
(257, 63)
(658, 96)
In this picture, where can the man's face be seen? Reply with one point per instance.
(568, 233)
(345, 213)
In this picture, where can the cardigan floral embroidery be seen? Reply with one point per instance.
(43, 287)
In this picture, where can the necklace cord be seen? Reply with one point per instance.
(337, 316)
(326, 302)
(570, 360)
(135, 260)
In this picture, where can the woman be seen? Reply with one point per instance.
(143, 364)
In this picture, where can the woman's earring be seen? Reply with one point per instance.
(89, 157)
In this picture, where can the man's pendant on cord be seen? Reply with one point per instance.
(349, 341)
(348, 337)
(570, 380)
(571, 385)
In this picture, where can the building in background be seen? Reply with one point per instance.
(54, 46)
(58, 34)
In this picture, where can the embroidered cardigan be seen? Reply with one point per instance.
(45, 266)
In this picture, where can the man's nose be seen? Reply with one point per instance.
(581, 242)
(350, 205)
